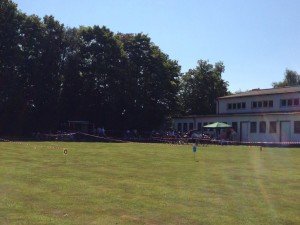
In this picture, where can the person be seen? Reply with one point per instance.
(128, 134)
(103, 132)
(194, 150)
(233, 135)
(135, 133)
(195, 147)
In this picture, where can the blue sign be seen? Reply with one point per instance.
(194, 148)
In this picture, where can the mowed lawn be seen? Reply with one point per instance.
(132, 183)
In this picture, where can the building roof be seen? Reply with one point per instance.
(270, 91)
(238, 114)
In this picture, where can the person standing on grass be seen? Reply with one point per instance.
(194, 151)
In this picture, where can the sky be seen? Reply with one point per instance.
(257, 40)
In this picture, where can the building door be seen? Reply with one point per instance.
(244, 131)
(285, 131)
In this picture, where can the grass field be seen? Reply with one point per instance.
(147, 184)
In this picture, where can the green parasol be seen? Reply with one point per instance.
(217, 125)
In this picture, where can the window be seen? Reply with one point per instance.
(199, 126)
(297, 127)
(273, 127)
(283, 102)
(259, 104)
(234, 126)
(179, 127)
(289, 102)
(253, 127)
(184, 127)
(191, 126)
(263, 104)
(271, 103)
(254, 104)
(237, 105)
(262, 127)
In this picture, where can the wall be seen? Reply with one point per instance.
(255, 137)
(248, 100)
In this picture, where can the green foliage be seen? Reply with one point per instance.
(130, 183)
(200, 87)
(50, 74)
(152, 82)
(10, 58)
(291, 78)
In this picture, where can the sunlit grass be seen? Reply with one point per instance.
(147, 184)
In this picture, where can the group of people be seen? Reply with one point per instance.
(101, 132)
(128, 134)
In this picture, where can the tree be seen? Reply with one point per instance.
(291, 78)
(71, 97)
(10, 57)
(151, 83)
(30, 70)
(92, 81)
(30, 39)
(46, 55)
(49, 74)
(200, 87)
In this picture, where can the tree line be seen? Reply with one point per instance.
(50, 74)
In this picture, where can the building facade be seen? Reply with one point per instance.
(260, 115)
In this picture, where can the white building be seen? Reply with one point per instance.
(260, 115)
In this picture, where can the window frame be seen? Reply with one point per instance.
(254, 105)
(262, 129)
(283, 101)
(253, 127)
(259, 104)
(199, 123)
(243, 105)
(234, 125)
(185, 127)
(179, 125)
(270, 104)
(265, 104)
(297, 127)
(272, 128)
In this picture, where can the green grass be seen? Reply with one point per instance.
(147, 184)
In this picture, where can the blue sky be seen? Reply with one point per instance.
(257, 40)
